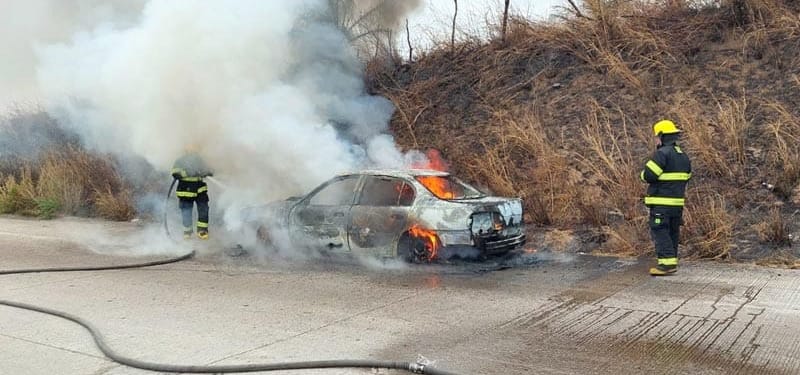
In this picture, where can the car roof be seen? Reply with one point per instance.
(405, 173)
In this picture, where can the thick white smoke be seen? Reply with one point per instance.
(270, 92)
(27, 24)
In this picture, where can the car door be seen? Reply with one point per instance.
(319, 221)
(380, 215)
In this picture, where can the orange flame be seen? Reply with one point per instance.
(438, 186)
(428, 237)
(434, 161)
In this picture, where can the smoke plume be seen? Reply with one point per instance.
(271, 92)
(28, 25)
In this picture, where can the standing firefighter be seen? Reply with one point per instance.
(190, 170)
(667, 172)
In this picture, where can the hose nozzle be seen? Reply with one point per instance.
(416, 368)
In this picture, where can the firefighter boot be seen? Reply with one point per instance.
(662, 270)
(203, 234)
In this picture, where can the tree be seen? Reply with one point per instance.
(370, 24)
(453, 33)
(505, 20)
(408, 39)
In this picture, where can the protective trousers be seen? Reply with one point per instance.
(665, 226)
(187, 207)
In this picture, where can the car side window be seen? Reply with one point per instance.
(386, 191)
(337, 193)
(407, 195)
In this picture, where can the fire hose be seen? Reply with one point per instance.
(412, 367)
(166, 200)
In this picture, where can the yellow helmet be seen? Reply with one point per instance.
(665, 127)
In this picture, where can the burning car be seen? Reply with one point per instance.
(416, 215)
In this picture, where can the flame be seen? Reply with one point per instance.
(438, 186)
(428, 237)
(434, 161)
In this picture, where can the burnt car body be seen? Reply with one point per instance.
(417, 215)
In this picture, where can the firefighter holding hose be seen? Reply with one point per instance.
(189, 170)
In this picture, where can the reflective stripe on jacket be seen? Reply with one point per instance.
(190, 189)
(667, 172)
(190, 170)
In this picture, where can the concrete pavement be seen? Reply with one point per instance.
(545, 315)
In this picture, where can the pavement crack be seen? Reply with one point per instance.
(54, 347)
(58, 281)
(749, 295)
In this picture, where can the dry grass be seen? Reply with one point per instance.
(611, 195)
(717, 140)
(522, 161)
(617, 39)
(780, 259)
(62, 178)
(734, 126)
(114, 206)
(80, 181)
(709, 225)
(18, 195)
(784, 155)
(608, 158)
(627, 239)
(45, 172)
(775, 230)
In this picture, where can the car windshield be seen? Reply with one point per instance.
(448, 187)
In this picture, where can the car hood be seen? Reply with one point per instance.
(455, 214)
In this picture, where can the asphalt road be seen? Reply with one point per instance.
(532, 314)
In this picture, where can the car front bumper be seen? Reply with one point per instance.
(485, 245)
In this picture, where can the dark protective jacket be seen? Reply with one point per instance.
(668, 173)
(189, 170)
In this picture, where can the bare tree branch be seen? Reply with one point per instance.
(505, 20)
(576, 9)
(366, 14)
(369, 25)
(370, 33)
(453, 33)
(408, 39)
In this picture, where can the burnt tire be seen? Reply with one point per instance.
(412, 250)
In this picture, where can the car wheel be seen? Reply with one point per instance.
(411, 249)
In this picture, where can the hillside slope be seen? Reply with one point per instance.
(560, 114)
